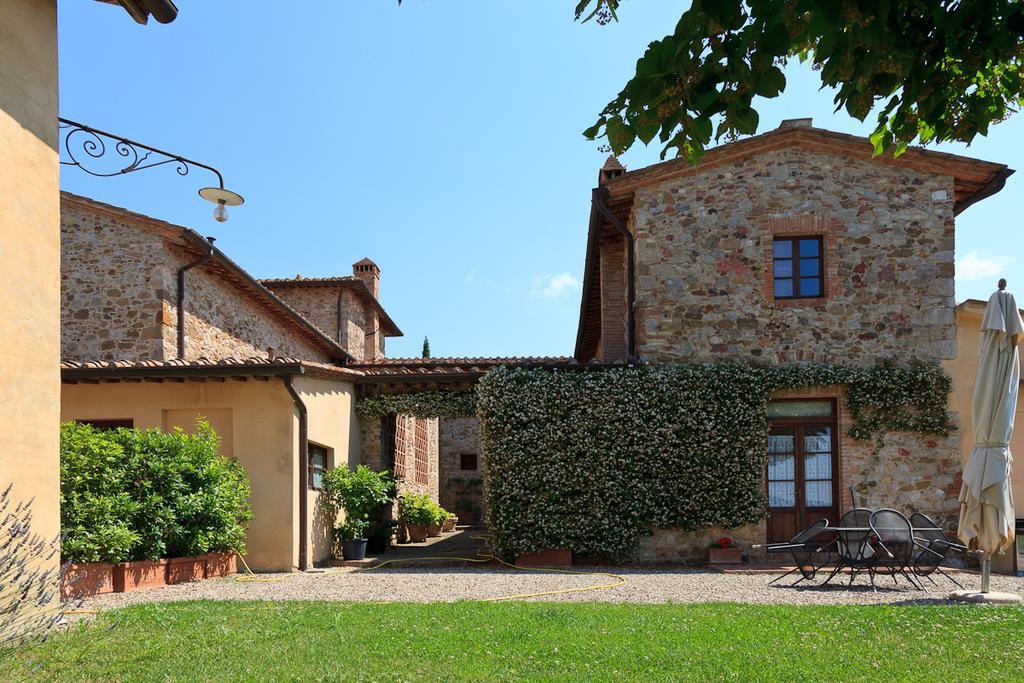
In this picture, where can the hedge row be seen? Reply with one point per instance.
(592, 460)
(130, 494)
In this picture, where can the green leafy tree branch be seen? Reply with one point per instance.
(933, 71)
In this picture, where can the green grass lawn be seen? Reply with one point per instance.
(227, 641)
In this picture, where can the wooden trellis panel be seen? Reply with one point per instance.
(420, 451)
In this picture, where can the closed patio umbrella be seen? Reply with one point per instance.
(986, 501)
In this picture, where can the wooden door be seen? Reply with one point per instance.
(802, 475)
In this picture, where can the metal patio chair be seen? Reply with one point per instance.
(810, 550)
(853, 545)
(932, 546)
(894, 536)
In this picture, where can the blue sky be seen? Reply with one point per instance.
(440, 138)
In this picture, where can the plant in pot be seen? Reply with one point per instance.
(358, 493)
(417, 512)
(449, 522)
(379, 536)
(351, 535)
(724, 551)
(440, 514)
(468, 492)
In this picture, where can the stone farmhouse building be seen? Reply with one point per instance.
(160, 328)
(791, 246)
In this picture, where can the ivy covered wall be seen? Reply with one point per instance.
(593, 460)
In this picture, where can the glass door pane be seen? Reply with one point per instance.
(782, 468)
(817, 443)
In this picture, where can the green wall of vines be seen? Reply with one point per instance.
(594, 459)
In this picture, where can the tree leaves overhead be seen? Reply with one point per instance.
(933, 71)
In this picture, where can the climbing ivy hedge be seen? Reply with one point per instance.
(448, 404)
(592, 460)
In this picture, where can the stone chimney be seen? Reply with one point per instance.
(611, 170)
(796, 123)
(368, 272)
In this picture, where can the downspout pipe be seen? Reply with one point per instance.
(600, 200)
(181, 295)
(300, 406)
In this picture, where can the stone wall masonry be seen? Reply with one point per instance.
(220, 322)
(353, 325)
(703, 246)
(115, 279)
(461, 490)
(319, 305)
(119, 297)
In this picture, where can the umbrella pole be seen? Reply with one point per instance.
(986, 572)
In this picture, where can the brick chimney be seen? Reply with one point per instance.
(796, 123)
(612, 169)
(368, 272)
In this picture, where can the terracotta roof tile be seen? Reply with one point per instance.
(79, 369)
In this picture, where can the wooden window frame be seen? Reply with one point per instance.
(798, 449)
(474, 460)
(311, 450)
(795, 258)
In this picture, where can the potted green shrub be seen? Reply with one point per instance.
(358, 493)
(417, 512)
(379, 536)
(450, 520)
(435, 526)
(351, 535)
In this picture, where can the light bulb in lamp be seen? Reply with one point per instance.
(223, 199)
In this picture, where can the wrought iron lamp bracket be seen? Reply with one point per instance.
(84, 146)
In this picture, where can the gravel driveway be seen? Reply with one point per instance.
(452, 584)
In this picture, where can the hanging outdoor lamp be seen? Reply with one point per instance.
(86, 147)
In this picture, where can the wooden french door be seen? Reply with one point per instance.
(802, 475)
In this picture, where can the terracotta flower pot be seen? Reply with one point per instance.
(185, 569)
(417, 532)
(90, 578)
(433, 530)
(449, 524)
(725, 555)
(223, 563)
(131, 576)
(468, 517)
(545, 558)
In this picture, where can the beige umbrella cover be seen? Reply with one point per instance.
(986, 501)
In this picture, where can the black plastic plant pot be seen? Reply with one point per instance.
(353, 549)
(376, 545)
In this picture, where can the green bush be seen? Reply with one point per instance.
(593, 459)
(419, 509)
(130, 494)
(361, 493)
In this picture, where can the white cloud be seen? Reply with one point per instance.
(554, 286)
(972, 267)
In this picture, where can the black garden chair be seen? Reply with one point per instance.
(853, 545)
(931, 547)
(895, 546)
(810, 550)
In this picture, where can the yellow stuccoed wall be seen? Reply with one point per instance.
(30, 259)
(963, 370)
(263, 426)
(331, 423)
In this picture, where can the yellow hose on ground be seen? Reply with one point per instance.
(481, 558)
